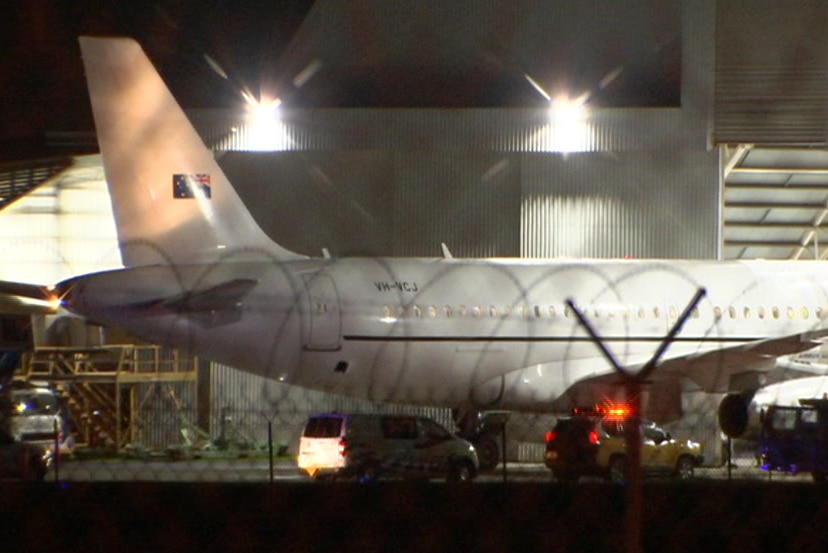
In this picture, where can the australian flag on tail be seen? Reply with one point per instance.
(191, 186)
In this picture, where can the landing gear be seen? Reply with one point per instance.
(484, 429)
(488, 451)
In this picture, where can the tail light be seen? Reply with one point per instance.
(343, 447)
(593, 437)
(551, 435)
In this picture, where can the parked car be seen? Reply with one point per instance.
(23, 460)
(795, 439)
(584, 445)
(372, 446)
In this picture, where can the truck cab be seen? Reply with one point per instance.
(795, 439)
(35, 417)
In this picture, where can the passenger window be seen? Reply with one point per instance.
(418, 312)
(448, 311)
(717, 312)
(791, 313)
(492, 311)
(641, 313)
(399, 428)
(433, 431)
(476, 312)
(552, 312)
(537, 312)
(673, 312)
(731, 312)
(761, 311)
(461, 311)
(656, 312)
(432, 311)
(805, 312)
(775, 312)
(746, 312)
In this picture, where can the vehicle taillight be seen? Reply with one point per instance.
(343, 448)
(551, 435)
(593, 437)
(618, 411)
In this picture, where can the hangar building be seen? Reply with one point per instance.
(410, 124)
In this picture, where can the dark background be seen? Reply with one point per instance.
(41, 77)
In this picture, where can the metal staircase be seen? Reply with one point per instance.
(99, 386)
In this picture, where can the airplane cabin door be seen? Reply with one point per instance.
(322, 321)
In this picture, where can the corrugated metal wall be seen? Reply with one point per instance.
(771, 72)
(635, 204)
(473, 130)
(242, 405)
(166, 414)
(469, 201)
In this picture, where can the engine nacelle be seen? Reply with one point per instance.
(734, 414)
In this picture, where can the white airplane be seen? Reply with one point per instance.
(199, 274)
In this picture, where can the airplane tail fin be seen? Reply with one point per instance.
(172, 202)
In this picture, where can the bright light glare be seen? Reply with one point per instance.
(265, 110)
(566, 111)
(55, 302)
(569, 130)
(265, 131)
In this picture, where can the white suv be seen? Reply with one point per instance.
(370, 446)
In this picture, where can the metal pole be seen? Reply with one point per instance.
(632, 430)
(270, 447)
(56, 454)
(503, 449)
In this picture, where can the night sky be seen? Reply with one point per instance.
(42, 87)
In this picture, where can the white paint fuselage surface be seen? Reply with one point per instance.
(445, 331)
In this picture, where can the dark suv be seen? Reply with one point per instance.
(584, 445)
(571, 447)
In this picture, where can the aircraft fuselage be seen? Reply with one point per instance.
(446, 331)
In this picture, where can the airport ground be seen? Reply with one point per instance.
(283, 469)
(229, 505)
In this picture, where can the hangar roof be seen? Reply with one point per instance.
(483, 53)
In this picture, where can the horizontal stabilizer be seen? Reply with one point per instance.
(224, 296)
(214, 306)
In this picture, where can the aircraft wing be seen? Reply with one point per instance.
(721, 370)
